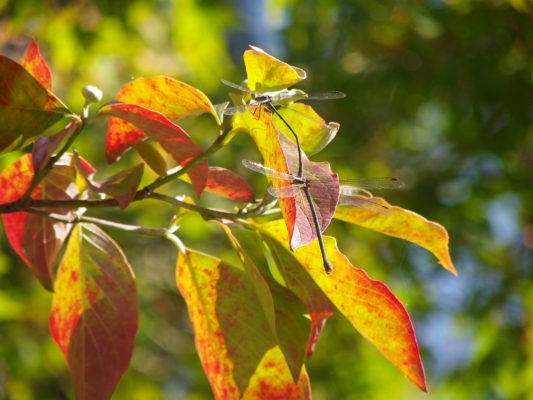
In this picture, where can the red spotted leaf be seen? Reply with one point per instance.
(37, 240)
(95, 312)
(45, 146)
(268, 74)
(168, 135)
(36, 65)
(172, 98)
(235, 344)
(406, 225)
(121, 186)
(368, 304)
(292, 327)
(227, 184)
(27, 108)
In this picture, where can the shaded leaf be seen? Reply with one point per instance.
(37, 240)
(368, 304)
(268, 74)
(36, 65)
(95, 312)
(151, 157)
(172, 98)
(121, 186)
(45, 146)
(168, 135)
(237, 349)
(27, 108)
(227, 184)
(292, 325)
(403, 224)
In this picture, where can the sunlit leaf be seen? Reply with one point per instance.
(292, 326)
(235, 344)
(172, 98)
(36, 65)
(368, 304)
(403, 224)
(268, 74)
(95, 312)
(37, 240)
(45, 146)
(27, 108)
(168, 135)
(227, 184)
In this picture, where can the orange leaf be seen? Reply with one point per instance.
(172, 98)
(36, 65)
(95, 312)
(237, 349)
(170, 137)
(27, 108)
(37, 240)
(368, 304)
(403, 224)
(268, 74)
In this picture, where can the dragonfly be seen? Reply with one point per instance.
(348, 188)
(279, 99)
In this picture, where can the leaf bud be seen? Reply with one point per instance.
(92, 94)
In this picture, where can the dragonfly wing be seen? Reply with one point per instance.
(325, 96)
(235, 110)
(256, 167)
(284, 191)
(371, 204)
(238, 87)
(373, 183)
(316, 120)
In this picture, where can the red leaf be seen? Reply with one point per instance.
(368, 304)
(121, 186)
(227, 184)
(95, 312)
(170, 137)
(36, 239)
(233, 339)
(36, 65)
(172, 98)
(44, 147)
(26, 108)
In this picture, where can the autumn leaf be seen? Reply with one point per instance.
(151, 157)
(227, 184)
(168, 135)
(403, 224)
(37, 240)
(268, 74)
(238, 351)
(95, 312)
(27, 108)
(36, 65)
(45, 146)
(368, 304)
(174, 99)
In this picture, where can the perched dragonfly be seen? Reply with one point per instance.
(279, 99)
(348, 188)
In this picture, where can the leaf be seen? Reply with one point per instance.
(121, 186)
(37, 240)
(324, 191)
(151, 157)
(313, 135)
(172, 98)
(168, 135)
(403, 224)
(318, 305)
(95, 312)
(44, 147)
(268, 74)
(368, 304)
(227, 184)
(36, 65)
(238, 352)
(27, 109)
(291, 325)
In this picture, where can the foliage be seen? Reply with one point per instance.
(254, 323)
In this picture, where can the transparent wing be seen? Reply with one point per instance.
(371, 203)
(316, 120)
(256, 167)
(285, 191)
(238, 87)
(372, 183)
(325, 96)
(236, 110)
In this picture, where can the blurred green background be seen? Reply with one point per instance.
(439, 95)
